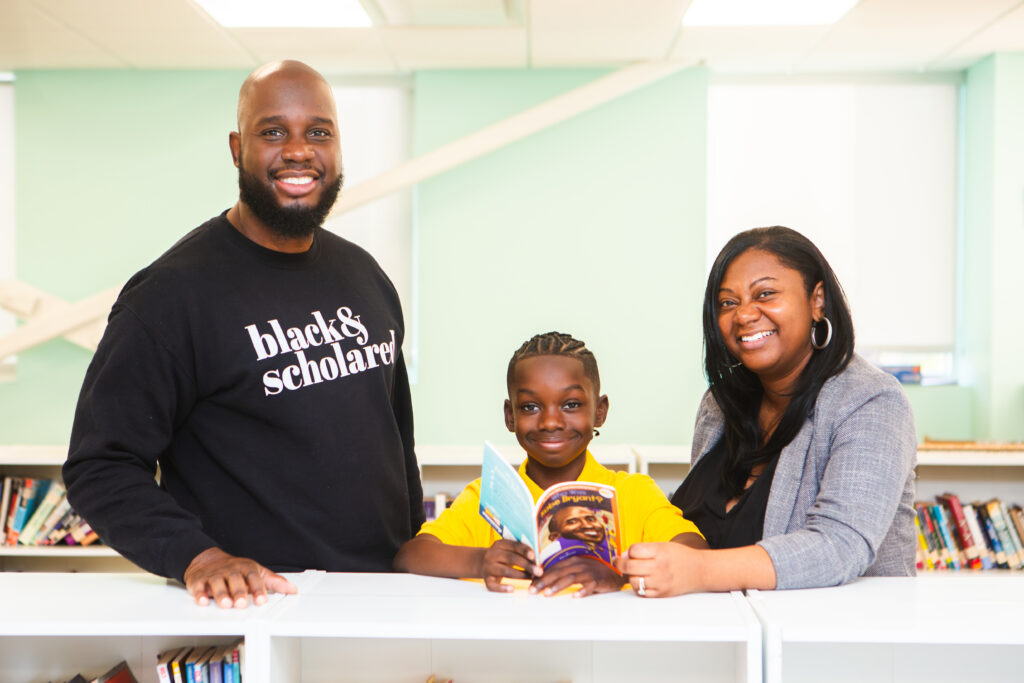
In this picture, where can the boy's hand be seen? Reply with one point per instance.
(593, 576)
(507, 559)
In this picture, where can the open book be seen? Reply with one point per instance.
(570, 519)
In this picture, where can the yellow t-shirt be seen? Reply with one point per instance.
(645, 515)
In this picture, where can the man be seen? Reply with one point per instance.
(575, 522)
(258, 362)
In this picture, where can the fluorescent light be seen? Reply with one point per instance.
(287, 13)
(766, 12)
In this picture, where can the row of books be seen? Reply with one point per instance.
(36, 512)
(977, 535)
(203, 664)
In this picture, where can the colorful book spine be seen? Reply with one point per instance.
(952, 505)
(54, 495)
(942, 524)
(984, 552)
(990, 534)
(1013, 556)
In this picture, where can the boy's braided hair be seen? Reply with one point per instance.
(557, 344)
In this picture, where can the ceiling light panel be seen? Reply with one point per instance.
(291, 14)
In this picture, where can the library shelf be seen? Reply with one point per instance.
(946, 627)
(377, 627)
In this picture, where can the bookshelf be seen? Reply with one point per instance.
(377, 627)
(935, 628)
(45, 462)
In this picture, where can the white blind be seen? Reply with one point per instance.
(868, 173)
(376, 134)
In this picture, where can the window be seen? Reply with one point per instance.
(867, 171)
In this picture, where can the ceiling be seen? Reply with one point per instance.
(876, 35)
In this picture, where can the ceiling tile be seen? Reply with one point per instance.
(32, 39)
(330, 50)
(1003, 35)
(152, 35)
(602, 32)
(454, 48)
(749, 49)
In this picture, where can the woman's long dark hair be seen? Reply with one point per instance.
(737, 390)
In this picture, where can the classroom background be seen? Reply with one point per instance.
(893, 137)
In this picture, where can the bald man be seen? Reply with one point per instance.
(259, 364)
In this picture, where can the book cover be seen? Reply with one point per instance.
(570, 519)
(1012, 530)
(163, 665)
(1017, 517)
(27, 500)
(939, 554)
(51, 521)
(63, 527)
(952, 505)
(54, 494)
(5, 499)
(119, 674)
(984, 551)
(17, 485)
(948, 539)
(985, 522)
(178, 665)
(995, 513)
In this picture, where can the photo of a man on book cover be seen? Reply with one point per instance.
(578, 522)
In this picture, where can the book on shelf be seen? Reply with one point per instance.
(163, 664)
(5, 499)
(961, 530)
(1017, 517)
(119, 674)
(989, 532)
(1014, 554)
(20, 508)
(922, 557)
(55, 493)
(570, 519)
(955, 553)
(177, 665)
(988, 560)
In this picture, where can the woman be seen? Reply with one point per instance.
(803, 453)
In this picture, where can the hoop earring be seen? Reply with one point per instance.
(597, 433)
(828, 334)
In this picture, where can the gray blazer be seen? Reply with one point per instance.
(842, 499)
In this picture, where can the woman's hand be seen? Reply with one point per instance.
(507, 559)
(657, 570)
(592, 575)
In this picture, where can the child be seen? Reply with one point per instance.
(554, 406)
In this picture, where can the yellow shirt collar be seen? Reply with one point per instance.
(592, 471)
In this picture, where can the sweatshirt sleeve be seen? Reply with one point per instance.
(134, 394)
(871, 455)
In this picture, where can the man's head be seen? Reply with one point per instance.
(287, 148)
(578, 523)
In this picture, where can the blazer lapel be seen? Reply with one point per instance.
(789, 473)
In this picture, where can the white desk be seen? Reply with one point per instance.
(936, 627)
(375, 627)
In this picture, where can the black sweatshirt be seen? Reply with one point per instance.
(271, 390)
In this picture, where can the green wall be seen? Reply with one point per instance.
(112, 167)
(993, 246)
(593, 227)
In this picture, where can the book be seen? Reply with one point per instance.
(237, 661)
(25, 505)
(178, 665)
(119, 674)
(985, 522)
(570, 519)
(945, 533)
(921, 557)
(1017, 517)
(972, 554)
(58, 513)
(937, 553)
(5, 499)
(67, 522)
(984, 552)
(194, 664)
(163, 664)
(995, 513)
(17, 484)
(1011, 529)
(54, 495)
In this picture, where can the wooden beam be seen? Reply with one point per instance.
(505, 132)
(27, 302)
(58, 321)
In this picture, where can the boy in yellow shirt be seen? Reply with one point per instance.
(554, 407)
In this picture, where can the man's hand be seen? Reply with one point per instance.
(231, 581)
(593, 576)
(507, 559)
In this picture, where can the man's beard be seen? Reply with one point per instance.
(285, 221)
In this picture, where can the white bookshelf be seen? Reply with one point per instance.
(938, 628)
(45, 462)
(376, 627)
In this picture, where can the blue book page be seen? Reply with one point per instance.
(505, 501)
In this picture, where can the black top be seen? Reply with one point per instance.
(271, 390)
(702, 499)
